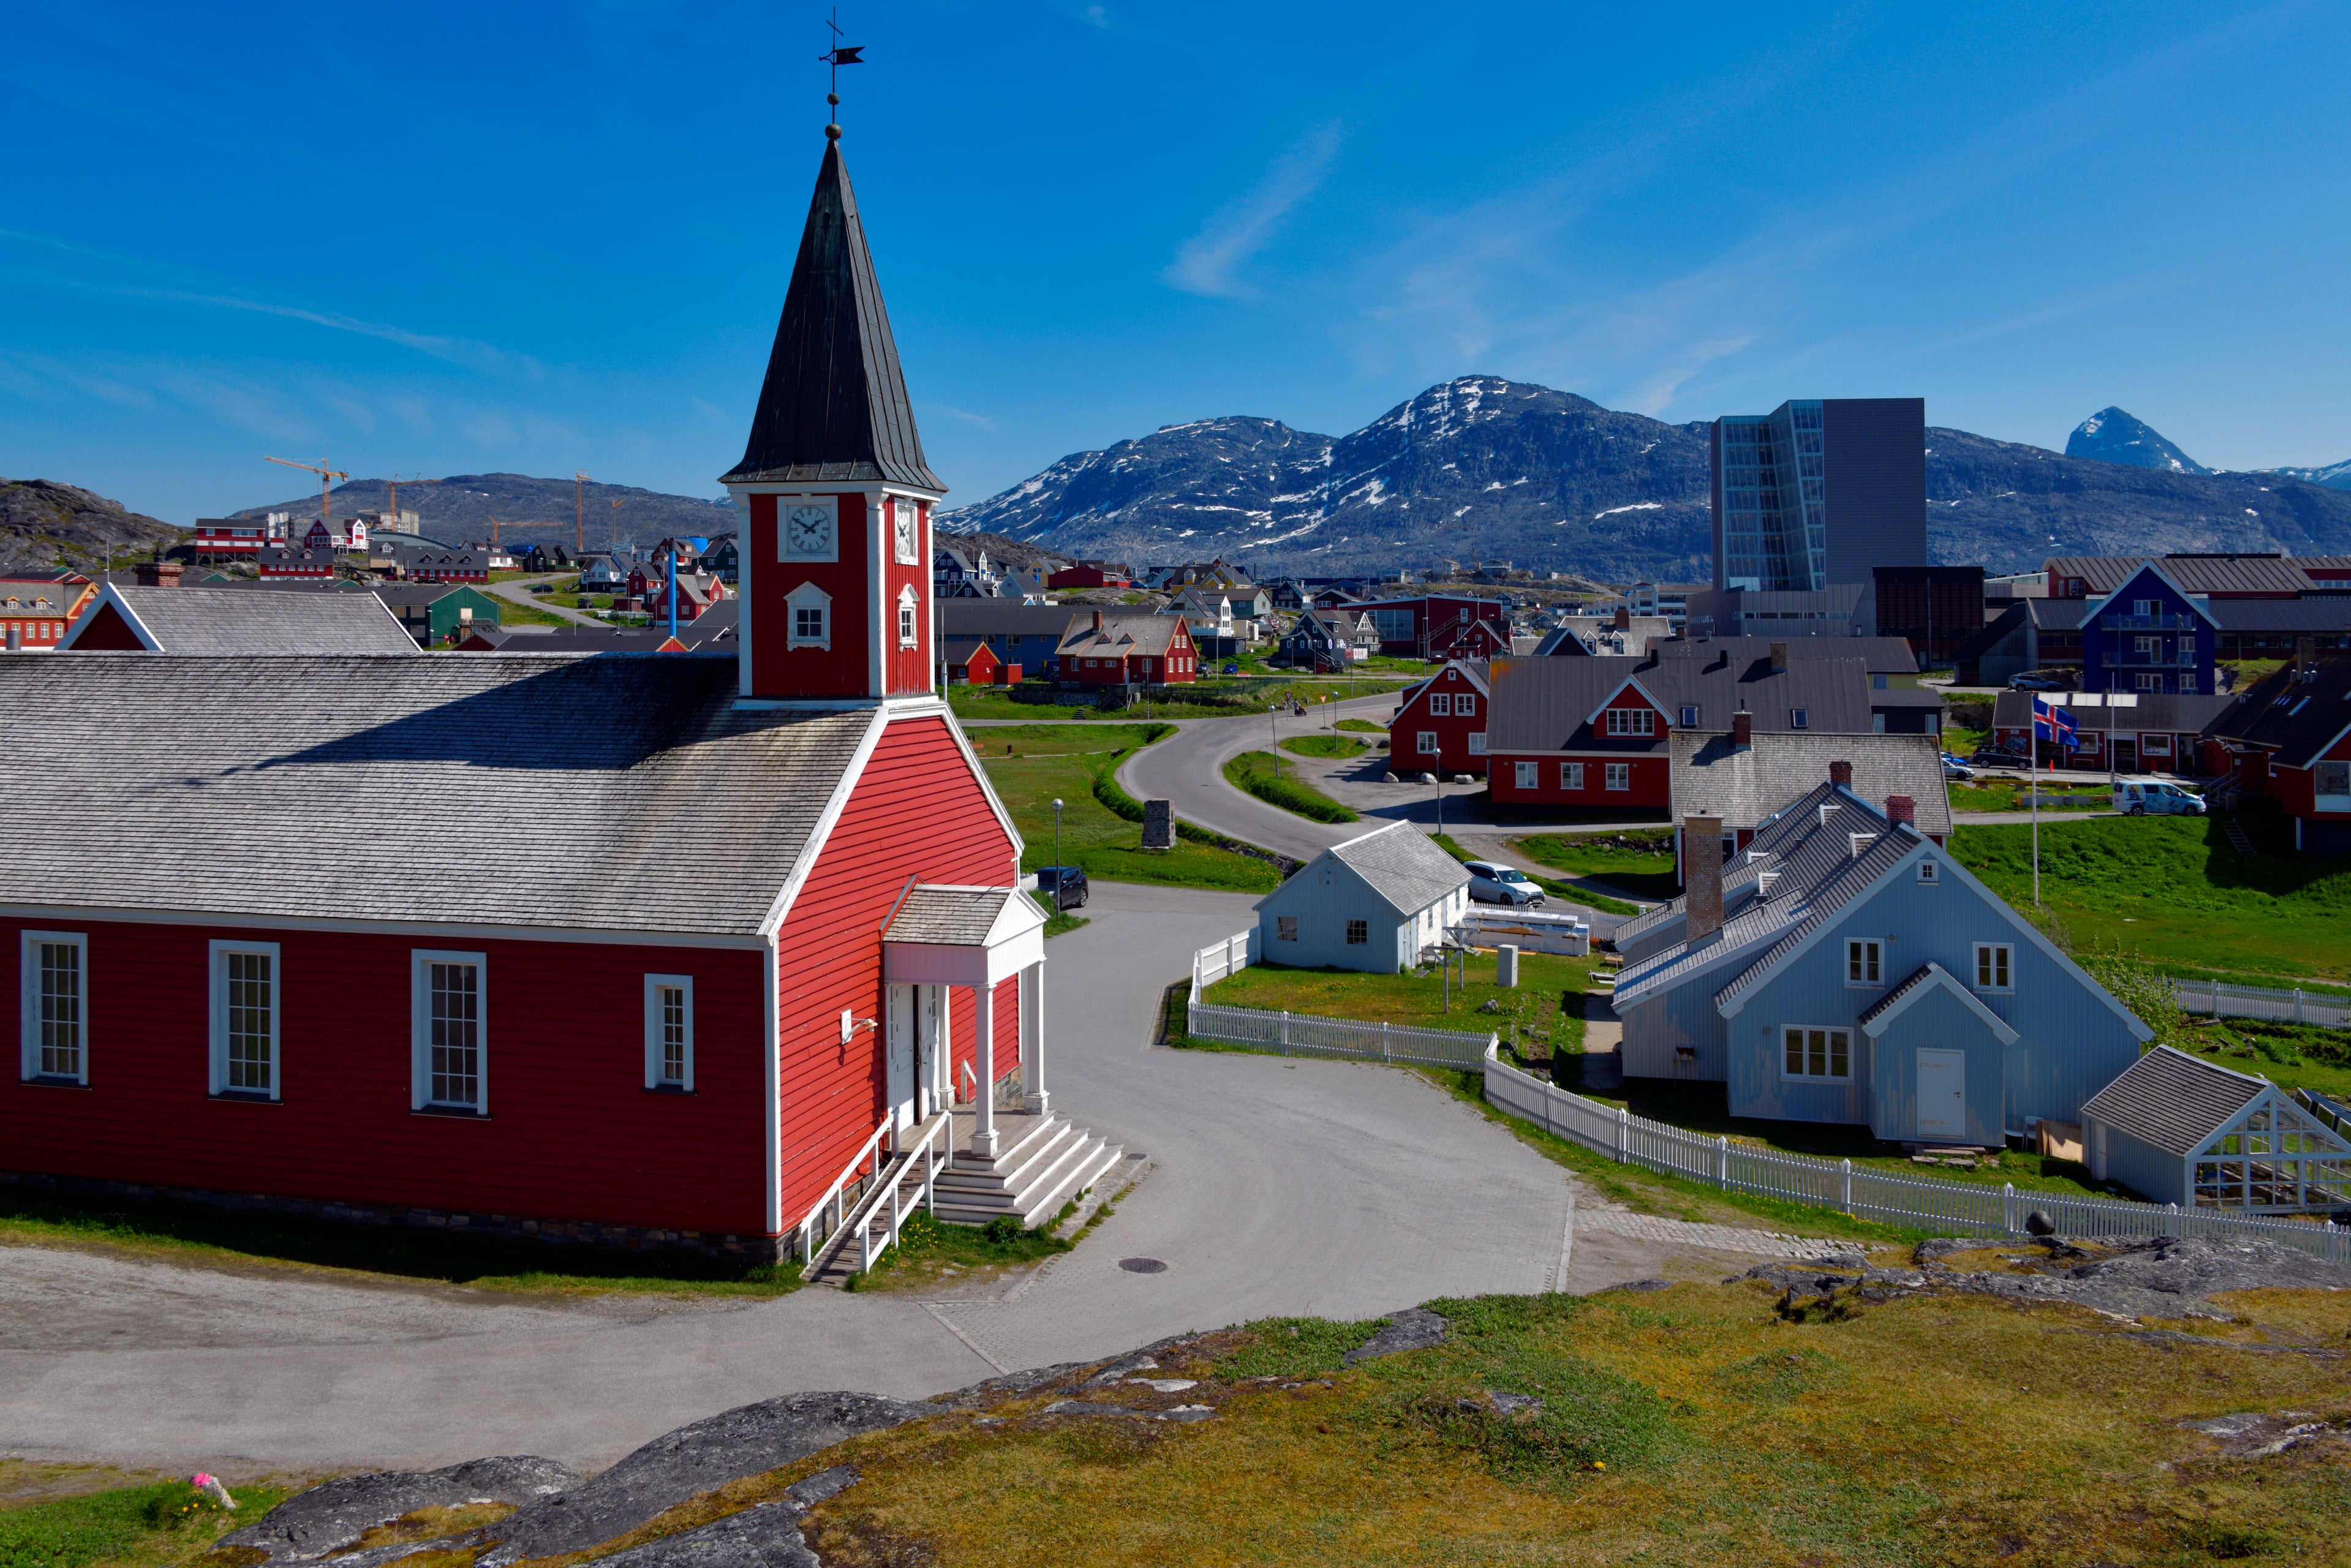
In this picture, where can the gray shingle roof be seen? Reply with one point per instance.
(2173, 1101)
(1402, 866)
(2301, 719)
(1883, 655)
(959, 916)
(1924, 975)
(1138, 631)
(227, 621)
(2195, 574)
(622, 763)
(1742, 788)
(1542, 705)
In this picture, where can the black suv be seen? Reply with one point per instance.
(1066, 884)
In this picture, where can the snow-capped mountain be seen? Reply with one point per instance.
(1483, 468)
(2110, 436)
(2336, 475)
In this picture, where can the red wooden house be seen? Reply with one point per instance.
(2289, 741)
(971, 662)
(1106, 648)
(850, 984)
(1440, 724)
(37, 611)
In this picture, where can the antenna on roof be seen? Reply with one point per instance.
(838, 55)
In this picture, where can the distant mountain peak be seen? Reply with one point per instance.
(2111, 435)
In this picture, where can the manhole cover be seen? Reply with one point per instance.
(1143, 1265)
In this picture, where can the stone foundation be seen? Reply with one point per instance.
(746, 1249)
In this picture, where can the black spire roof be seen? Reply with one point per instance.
(834, 403)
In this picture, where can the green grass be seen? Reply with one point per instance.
(930, 1249)
(1363, 725)
(199, 1233)
(1227, 696)
(1060, 923)
(2012, 795)
(1064, 740)
(129, 1527)
(1638, 862)
(1580, 893)
(1259, 773)
(1326, 746)
(2290, 1055)
(2172, 889)
(514, 613)
(1528, 1014)
(1108, 845)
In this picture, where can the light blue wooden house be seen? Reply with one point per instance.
(1375, 903)
(1845, 969)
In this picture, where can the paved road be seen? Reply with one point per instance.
(1273, 1188)
(518, 590)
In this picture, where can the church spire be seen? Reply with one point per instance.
(834, 405)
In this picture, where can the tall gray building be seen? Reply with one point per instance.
(1818, 492)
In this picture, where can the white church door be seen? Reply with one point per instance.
(930, 1051)
(898, 1076)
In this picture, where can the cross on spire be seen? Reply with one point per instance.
(838, 55)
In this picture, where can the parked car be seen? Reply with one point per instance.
(2157, 798)
(1492, 883)
(1955, 769)
(1232, 669)
(1064, 884)
(1997, 757)
(2030, 682)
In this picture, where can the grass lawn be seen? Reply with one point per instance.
(1261, 774)
(1528, 1014)
(1638, 862)
(2013, 795)
(1690, 1426)
(1106, 844)
(1363, 725)
(512, 614)
(2290, 1055)
(1063, 739)
(1326, 744)
(199, 1234)
(2172, 889)
(126, 1527)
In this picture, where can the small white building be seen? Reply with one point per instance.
(2177, 1129)
(1375, 903)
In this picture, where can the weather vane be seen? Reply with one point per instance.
(838, 55)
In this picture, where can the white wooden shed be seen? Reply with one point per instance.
(2184, 1131)
(1375, 903)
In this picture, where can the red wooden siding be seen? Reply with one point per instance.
(108, 633)
(916, 812)
(777, 669)
(571, 1133)
(909, 669)
(1651, 781)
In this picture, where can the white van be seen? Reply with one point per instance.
(2154, 797)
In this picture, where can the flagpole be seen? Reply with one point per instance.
(2035, 775)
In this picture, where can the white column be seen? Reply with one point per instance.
(983, 1040)
(1032, 1037)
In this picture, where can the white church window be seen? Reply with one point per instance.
(908, 619)
(812, 617)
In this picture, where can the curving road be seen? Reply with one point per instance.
(518, 590)
(1273, 1188)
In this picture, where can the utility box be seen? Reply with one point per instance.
(1158, 825)
(1506, 966)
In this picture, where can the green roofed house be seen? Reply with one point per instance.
(435, 612)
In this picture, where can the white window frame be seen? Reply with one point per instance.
(219, 956)
(1632, 721)
(1440, 704)
(1617, 776)
(907, 530)
(1571, 775)
(1930, 873)
(1995, 967)
(1477, 743)
(1359, 933)
(807, 596)
(1827, 1052)
(1868, 955)
(655, 985)
(1526, 774)
(28, 991)
(1429, 745)
(1285, 928)
(1689, 715)
(1799, 718)
(420, 1031)
(1464, 705)
(910, 618)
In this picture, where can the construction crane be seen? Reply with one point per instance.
(579, 513)
(612, 540)
(327, 477)
(391, 506)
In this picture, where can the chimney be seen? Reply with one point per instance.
(1097, 620)
(1623, 618)
(1779, 658)
(1702, 877)
(1902, 809)
(1743, 731)
(158, 573)
(2305, 656)
(1841, 773)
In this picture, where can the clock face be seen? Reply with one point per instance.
(805, 531)
(908, 534)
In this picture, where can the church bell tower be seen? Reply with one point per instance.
(833, 489)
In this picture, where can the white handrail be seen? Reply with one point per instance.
(926, 1149)
(832, 1193)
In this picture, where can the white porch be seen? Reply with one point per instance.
(942, 938)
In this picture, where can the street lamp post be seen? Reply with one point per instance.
(1056, 853)
(1274, 728)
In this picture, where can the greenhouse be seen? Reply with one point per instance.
(2179, 1130)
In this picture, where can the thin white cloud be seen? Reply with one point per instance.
(1207, 261)
(966, 415)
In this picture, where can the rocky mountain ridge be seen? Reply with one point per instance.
(2111, 435)
(45, 526)
(527, 509)
(1486, 468)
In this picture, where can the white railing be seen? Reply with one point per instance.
(2214, 1000)
(1305, 1034)
(1915, 1202)
(835, 1196)
(935, 1148)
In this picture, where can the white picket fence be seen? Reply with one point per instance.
(1305, 1034)
(2213, 999)
(1950, 1208)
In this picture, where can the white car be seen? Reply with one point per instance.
(2155, 798)
(1491, 884)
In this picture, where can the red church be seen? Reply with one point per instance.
(836, 1019)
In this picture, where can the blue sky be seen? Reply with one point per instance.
(443, 239)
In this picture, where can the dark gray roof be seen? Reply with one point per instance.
(2173, 1101)
(1402, 866)
(2181, 713)
(1003, 618)
(834, 405)
(1743, 787)
(230, 620)
(1895, 697)
(1924, 975)
(2193, 573)
(2299, 720)
(1883, 655)
(1120, 634)
(1820, 903)
(2055, 614)
(1544, 704)
(2321, 613)
(623, 763)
